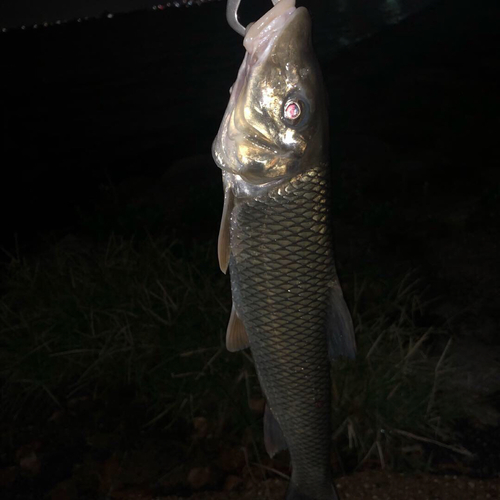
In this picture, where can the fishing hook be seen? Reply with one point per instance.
(232, 16)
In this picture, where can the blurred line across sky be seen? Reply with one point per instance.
(15, 13)
(363, 15)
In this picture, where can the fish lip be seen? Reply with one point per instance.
(260, 38)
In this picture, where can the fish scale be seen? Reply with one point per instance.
(281, 272)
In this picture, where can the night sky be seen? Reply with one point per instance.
(25, 13)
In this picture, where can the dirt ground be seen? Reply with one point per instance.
(368, 485)
(378, 485)
(67, 459)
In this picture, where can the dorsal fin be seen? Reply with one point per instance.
(236, 335)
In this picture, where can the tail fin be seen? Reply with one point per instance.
(293, 493)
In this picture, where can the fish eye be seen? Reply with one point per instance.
(294, 111)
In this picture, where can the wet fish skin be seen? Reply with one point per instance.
(281, 273)
(276, 237)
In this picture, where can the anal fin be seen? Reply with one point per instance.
(236, 335)
(273, 435)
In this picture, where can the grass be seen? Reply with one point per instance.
(392, 405)
(147, 317)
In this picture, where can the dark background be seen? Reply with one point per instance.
(15, 13)
(86, 104)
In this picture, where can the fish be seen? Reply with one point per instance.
(275, 239)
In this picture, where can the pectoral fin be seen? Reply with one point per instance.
(223, 248)
(236, 335)
(273, 435)
(340, 331)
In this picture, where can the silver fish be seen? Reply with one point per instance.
(275, 237)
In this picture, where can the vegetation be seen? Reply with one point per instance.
(147, 318)
(394, 403)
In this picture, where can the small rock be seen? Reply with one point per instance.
(8, 476)
(131, 493)
(231, 459)
(199, 477)
(66, 490)
(78, 404)
(30, 462)
(110, 475)
(200, 425)
(57, 417)
(257, 405)
(232, 483)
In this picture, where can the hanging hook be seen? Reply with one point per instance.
(232, 15)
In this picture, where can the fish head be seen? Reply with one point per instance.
(275, 124)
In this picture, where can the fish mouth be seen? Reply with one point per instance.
(263, 34)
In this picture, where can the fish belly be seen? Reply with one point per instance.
(281, 266)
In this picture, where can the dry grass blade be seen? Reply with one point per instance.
(380, 454)
(339, 429)
(457, 449)
(368, 453)
(436, 375)
(196, 351)
(160, 415)
(413, 349)
(274, 471)
(374, 345)
(393, 391)
(156, 316)
(184, 375)
(209, 363)
(247, 462)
